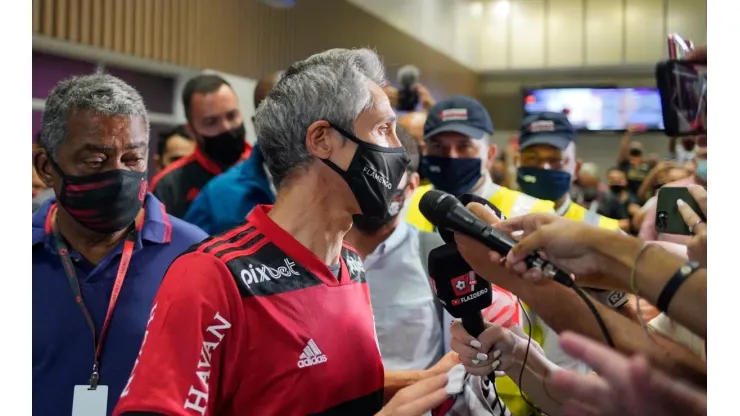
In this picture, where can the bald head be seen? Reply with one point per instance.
(264, 86)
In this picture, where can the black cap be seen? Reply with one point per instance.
(458, 114)
(547, 127)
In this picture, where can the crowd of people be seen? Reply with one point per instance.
(291, 277)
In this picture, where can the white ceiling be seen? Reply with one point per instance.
(505, 35)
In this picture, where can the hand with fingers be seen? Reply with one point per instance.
(425, 97)
(624, 386)
(496, 349)
(567, 244)
(697, 246)
(418, 398)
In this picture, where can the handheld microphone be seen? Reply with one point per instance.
(408, 98)
(445, 211)
(460, 291)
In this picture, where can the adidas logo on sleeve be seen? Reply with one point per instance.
(311, 355)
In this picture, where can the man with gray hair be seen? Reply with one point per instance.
(274, 317)
(102, 244)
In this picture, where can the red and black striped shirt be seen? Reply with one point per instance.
(179, 184)
(251, 322)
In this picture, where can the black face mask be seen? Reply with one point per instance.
(590, 194)
(225, 148)
(105, 202)
(616, 189)
(689, 145)
(456, 176)
(373, 174)
(371, 225)
(635, 152)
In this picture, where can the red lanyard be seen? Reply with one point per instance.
(69, 270)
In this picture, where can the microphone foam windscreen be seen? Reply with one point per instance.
(408, 75)
(465, 199)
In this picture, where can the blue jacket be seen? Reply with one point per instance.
(62, 340)
(227, 199)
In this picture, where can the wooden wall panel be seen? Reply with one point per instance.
(242, 37)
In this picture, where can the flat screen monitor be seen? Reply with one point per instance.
(600, 109)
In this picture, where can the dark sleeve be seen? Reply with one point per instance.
(611, 208)
(163, 192)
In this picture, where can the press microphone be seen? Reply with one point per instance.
(407, 77)
(445, 211)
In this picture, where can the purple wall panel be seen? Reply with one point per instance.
(157, 90)
(36, 119)
(48, 70)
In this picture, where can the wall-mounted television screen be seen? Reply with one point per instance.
(600, 109)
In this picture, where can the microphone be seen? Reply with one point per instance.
(462, 293)
(445, 211)
(408, 98)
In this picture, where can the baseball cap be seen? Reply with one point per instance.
(547, 127)
(458, 114)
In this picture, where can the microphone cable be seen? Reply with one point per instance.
(599, 321)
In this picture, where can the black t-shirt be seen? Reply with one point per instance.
(635, 174)
(610, 206)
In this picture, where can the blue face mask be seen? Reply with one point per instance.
(545, 184)
(451, 175)
(701, 169)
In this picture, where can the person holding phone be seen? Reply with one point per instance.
(648, 232)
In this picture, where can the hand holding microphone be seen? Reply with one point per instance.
(446, 212)
(503, 348)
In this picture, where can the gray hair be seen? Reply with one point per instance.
(332, 86)
(591, 169)
(99, 93)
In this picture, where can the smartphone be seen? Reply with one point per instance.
(667, 218)
(683, 94)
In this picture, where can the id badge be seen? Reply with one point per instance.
(88, 402)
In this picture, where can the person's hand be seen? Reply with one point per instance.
(496, 348)
(444, 364)
(567, 244)
(697, 246)
(425, 97)
(392, 93)
(479, 256)
(624, 386)
(418, 398)
(697, 54)
(664, 165)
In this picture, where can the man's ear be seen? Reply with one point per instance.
(413, 185)
(491, 156)
(577, 172)
(319, 140)
(42, 164)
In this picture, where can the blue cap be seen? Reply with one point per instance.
(547, 127)
(458, 114)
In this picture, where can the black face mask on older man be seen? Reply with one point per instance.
(104, 202)
(373, 174)
(371, 225)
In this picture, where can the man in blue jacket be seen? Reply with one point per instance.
(101, 246)
(227, 199)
